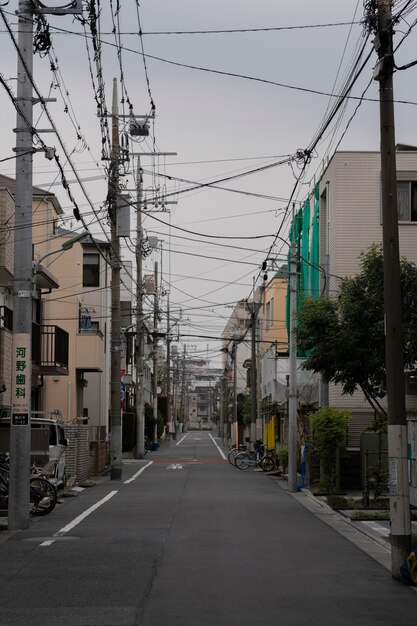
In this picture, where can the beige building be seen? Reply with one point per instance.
(272, 324)
(49, 340)
(350, 222)
(81, 306)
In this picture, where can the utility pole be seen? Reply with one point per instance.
(115, 396)
(234, 354)
(21, 362)
(155, 355)
(182, 398)
(140, 339)
(169, 416)
(253, 369)
(397, 421)
(20, 433)
(292, 398)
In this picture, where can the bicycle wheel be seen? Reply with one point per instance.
(232, 455)
(243, 461)
(42, 496)
(267, 464)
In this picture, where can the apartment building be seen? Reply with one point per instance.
(50, 341)
(82, 307)
(351, 221)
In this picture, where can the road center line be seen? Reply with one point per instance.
(142, 469)
(218, 448)
(80, 518)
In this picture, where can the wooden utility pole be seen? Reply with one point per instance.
(115, 396)
(397, 423)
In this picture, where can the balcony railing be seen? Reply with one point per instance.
(50, 347)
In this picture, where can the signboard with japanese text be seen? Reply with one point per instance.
(21, 379)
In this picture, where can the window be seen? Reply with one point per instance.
(407, 201)
(91, 270)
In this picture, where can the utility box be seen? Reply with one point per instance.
(149, 283)
(123, 215)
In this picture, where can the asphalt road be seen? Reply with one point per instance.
(188, 540)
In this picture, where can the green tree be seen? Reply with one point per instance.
(329, 437)
(243, 408)
(344, 337)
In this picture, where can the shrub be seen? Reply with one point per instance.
(329, 430)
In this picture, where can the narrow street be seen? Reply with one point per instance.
(187, 540)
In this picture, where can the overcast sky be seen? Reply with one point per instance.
(218, 124)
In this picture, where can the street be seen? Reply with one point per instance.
(185, 539)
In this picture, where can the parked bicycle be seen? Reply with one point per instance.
(255, 458)
(234, 452)
(42, 493)
(270, 461)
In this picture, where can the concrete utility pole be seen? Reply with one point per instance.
(397, 422)
(292, 397)
(115, 396)
(155, 355)
(20, 429)
(169, 416)
(140, 338)
(234, 354)
(253, 375)
(18, 505)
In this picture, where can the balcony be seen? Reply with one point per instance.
(50, 345)
(89, 350)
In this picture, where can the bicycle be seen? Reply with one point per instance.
(270, 460)
(234, 452)
(42, 493)
(255, 458)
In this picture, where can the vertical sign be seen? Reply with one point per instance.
(21, 384)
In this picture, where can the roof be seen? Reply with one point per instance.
(10, 184)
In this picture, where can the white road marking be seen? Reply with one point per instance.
(142, 469)
(175, 466)
(182, 439)
(219, 449)
(377, 527)
(47, 543)
(86, 513)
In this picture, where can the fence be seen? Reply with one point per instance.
(87, 452)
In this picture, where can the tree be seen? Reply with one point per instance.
(344, 338)
(329, 432)
(243, 408)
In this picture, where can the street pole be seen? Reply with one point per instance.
(253, 376)
(155, 355)
(140, 348)
(235, 393)
(115, 396)
(169, 416)
(182, 398)
(20, 432)
(292, 398)
(397, 422)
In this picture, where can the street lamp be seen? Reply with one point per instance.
(67, 245)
